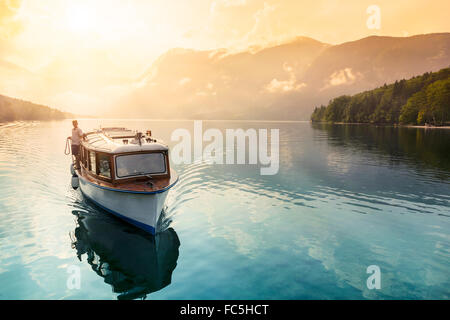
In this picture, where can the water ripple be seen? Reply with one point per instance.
(337, 205)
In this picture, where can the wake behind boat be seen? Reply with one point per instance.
(127, 173)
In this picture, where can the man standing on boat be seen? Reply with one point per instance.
(77, 135)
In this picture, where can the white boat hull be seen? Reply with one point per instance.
(141, 209)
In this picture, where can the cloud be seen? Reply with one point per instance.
(262, 25)
(283, 86)
(208, 92)
(242, 24)
(344, 76)
(184, 81)
(215, 5)
(190, 33)
(280, 86)
(9, 8)
(9, 24)
(341, 77)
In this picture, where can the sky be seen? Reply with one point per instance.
(110, 39)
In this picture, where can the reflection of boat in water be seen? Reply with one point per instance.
(132, 261)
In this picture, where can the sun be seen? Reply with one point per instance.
(80, 19)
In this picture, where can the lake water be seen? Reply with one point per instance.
(345, 198)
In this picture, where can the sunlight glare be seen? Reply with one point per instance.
(80, 19)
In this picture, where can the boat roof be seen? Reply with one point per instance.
(121, 140)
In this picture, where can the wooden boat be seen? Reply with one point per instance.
(127, 173)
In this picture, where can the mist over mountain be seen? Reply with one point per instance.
(284, 82)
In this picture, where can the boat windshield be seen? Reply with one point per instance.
(140, 164)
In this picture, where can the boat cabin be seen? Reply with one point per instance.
(125, 159)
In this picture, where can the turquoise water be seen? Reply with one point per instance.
(345, 198)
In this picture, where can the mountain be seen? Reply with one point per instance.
(278, 83)
(14, 109)
(419, 100)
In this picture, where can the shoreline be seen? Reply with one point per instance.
(385, 125)
(275, 121)
(426, 127)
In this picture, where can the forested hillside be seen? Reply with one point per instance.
(14, 109)
(420, 100)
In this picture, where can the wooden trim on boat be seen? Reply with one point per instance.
(141, 186)
(113, 168)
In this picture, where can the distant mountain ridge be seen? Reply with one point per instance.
(283, 82)
(12, 109)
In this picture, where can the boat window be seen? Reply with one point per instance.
(92, 164)
(104, 169)
(140, 164)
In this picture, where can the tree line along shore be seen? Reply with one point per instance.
(12, 109)
(421, 100)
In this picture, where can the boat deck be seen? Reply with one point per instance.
(120, 140)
